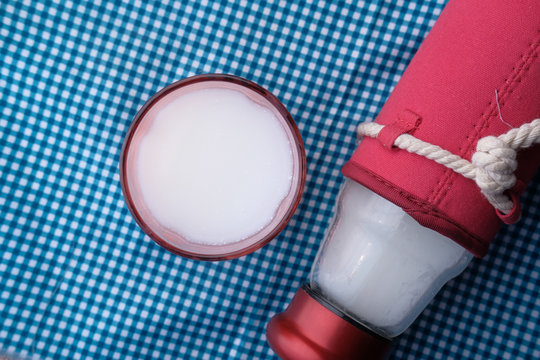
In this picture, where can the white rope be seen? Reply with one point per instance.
(492, 166)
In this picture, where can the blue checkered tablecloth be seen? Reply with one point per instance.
(79, 279)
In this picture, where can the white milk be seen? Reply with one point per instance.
(214, 166)
(379, 265)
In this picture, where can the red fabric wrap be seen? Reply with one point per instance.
(475, 48)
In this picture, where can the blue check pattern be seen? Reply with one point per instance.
(78, 278)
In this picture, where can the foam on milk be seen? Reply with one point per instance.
(214, 166)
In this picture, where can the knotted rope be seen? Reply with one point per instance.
(492, 165)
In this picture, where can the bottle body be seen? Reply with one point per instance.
(378, 265)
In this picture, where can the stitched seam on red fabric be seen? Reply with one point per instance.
(487, 114)
(517, 81)
(511, 82)
(524, 57)
(425, 208)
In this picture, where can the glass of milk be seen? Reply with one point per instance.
(212, 167)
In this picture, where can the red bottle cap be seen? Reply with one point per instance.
(311, 328)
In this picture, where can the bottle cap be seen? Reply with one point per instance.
(312, 328)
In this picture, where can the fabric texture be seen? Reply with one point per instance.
(79, 279)
(477, 66)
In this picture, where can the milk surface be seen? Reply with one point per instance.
(214, 166)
